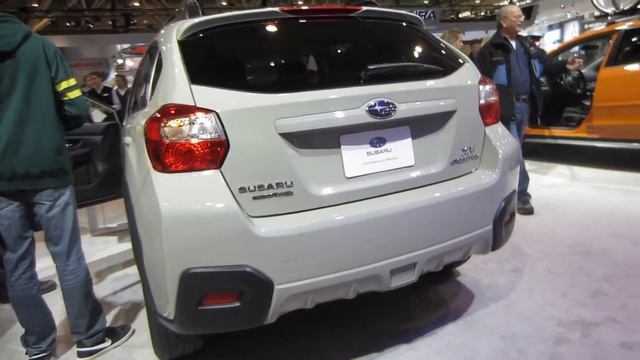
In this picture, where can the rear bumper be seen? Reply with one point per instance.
(310, 257)
(261, 302)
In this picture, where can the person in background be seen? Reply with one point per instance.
(515, 64)
(454, 37)
(475, 46)
(98, 90)
(120, 95)
(39, 100)
(84, 87)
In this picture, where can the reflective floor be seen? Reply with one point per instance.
(566, 286)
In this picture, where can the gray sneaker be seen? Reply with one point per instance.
(114, 336)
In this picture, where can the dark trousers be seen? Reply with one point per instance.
(55, 210)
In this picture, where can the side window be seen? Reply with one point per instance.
(156, 74)
(140, 91)
(629, 50)
(591, 51)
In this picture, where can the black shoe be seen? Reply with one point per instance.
(524, 207)
(114, 336)
(47, 286)
(42, 356)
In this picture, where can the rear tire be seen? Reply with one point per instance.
(168, 344)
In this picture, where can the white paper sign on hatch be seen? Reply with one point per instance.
(375, 151)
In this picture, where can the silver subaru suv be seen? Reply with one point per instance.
(280, 158)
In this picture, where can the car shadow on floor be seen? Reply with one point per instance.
(603, 158)
(347, 329)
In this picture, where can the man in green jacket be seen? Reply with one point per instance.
(39, 100)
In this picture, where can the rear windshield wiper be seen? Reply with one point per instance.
(377, 71)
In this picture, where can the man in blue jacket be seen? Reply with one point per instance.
(39, 100)
(515, 64)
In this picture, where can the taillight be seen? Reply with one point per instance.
(320, 10)
(489, 101)
(184, 138)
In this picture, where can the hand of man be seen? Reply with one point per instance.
(574, 63)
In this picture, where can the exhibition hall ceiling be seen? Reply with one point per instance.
(122, 16)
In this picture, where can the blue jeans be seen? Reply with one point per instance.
(55, 210)
(517, 130)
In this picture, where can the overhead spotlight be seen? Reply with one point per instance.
(33, 3)
(89, 24)
(133, 3)
(224, 3)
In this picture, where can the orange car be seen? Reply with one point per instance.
(601, 104)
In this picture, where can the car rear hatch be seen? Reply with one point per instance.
(328, 108)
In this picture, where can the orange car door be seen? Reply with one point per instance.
(616, 103)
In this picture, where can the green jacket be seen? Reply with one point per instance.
(39, 100)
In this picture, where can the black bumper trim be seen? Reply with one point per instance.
(256, 293)
(504, 221)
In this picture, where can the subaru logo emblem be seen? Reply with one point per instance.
(377, 142)
(381, 109)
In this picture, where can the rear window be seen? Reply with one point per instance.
(310, 54)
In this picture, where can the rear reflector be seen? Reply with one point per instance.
(320, 10)
(230, 298)
(489, 101)
(183, 138)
